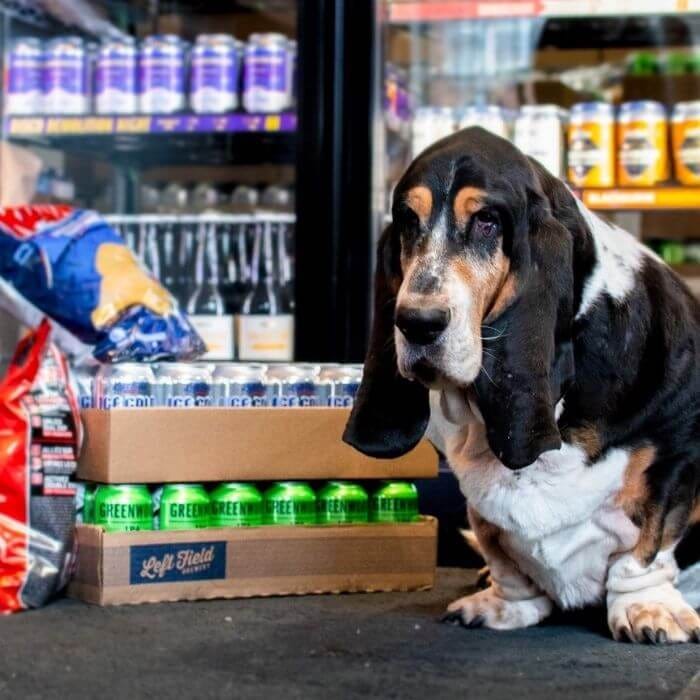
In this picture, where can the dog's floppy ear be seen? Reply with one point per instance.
(390, 414)
(529, 362)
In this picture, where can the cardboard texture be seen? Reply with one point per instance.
(149, 567)
(159, 445)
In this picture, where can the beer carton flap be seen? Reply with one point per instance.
(140, 567)
(158, 445)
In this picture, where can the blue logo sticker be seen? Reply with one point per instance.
(185, 561)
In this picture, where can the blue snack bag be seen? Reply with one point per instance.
(70, 265)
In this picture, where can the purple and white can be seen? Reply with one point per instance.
(23, 85)
(116, 89)
(266, 73)
(65, 85)
(214, 72)
(162, 74)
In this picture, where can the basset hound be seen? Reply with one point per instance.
(555, 361)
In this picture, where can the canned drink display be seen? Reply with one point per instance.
(266, 73)
(184, 507)
(214, 71)
(539, 133)
(293, 385)
(591, 145)
(290, 503)
(184, 385)
(116, 89)
(65, 77)
(394, 502)
(339, 384)
(236, 505)
(123, 507)
(162, 74)
(642, 144)
(489, 117)
(125, 385)
(342, 502)
(23, 84)
(430, 125)
(685, 138)
(240, 385)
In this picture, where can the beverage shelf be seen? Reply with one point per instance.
(100, 125)
(437, 11)
(641, 199)
(164, 139)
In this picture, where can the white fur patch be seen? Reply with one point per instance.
(619, 258)
(558, 516)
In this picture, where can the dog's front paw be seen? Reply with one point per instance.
(488, 609)
(654, 622)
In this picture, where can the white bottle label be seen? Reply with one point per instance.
(217, 334)
(266, 337)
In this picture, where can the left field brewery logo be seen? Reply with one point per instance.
(184, 561)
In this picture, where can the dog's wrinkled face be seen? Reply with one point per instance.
(454, 231)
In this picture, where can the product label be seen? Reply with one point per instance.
(189, 561)
(686, 150)
(217, 334)
(64, 74)
(266, 337)
(24, 75)
(643, 153)
(266, 70)
(114, 74)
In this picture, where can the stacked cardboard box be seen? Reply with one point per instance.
(162, 445)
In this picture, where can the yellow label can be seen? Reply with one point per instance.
(685, 139)
(642, 137)
(591, 145)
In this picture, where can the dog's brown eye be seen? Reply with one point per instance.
(485, 223)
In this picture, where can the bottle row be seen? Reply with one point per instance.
(184, 385)
(123, 508)
(593, 144)
(234, 275)
(162, 74)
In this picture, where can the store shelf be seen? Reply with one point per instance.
(163, 139)
(642, 199)
(436, 11)
(93, 125)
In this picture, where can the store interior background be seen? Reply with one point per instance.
(367, 73)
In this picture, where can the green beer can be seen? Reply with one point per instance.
(394, 502)
(89, 504)
(123, 507)
(342, 502)
(236, 505)
(290, 503)
(184, 507)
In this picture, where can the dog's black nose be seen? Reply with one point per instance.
(422, 326)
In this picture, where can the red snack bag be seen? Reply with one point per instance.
(40, 434)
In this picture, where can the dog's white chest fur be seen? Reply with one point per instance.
(558, 519)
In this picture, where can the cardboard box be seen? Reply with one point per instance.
(158, 445)
(149, 567)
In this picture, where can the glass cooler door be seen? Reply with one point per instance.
(176, 120)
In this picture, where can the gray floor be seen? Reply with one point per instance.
(364, 646)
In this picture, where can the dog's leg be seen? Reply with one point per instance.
(511, 601)
(644, 604)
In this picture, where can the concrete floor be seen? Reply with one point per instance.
(353, 646)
